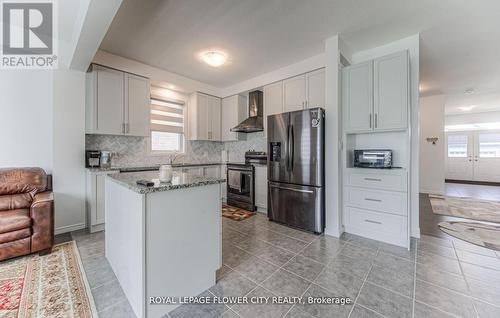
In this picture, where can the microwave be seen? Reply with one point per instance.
(373, 158)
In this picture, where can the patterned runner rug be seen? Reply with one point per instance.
(484, 235)
(236, 214)
(52, 285)
(468, 208)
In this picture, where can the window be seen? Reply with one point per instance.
(167, 126)
(489, 145)
(457, 146)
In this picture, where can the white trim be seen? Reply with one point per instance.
(69, 228)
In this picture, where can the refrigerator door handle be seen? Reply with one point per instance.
(292, 147)
(288, 141)
(290, 189)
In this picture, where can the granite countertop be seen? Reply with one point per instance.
(153, 167)
(179, 180)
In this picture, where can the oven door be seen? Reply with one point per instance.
(240, 187)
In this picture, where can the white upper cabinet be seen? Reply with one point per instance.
(106, 108)
(375, 94)
(204, 117)
(273, 101)
(294, 93)
(357, 97)
(234, 111)
(315, 82)
(137, 115)
(214, 118)
(391, 91)
(117, 103)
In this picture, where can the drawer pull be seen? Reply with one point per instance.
(374, 200)
(373, 179)
(371, 221)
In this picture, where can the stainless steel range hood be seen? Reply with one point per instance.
(254, 122)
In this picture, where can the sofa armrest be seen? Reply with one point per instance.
(42, 216)
(42, 197)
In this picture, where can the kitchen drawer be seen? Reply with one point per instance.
(377, 179)
(389, 228)
(382, 201)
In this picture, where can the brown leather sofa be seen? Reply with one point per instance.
(26, 212)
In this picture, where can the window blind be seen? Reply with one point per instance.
(167, 116)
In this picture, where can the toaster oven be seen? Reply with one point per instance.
(373, 158)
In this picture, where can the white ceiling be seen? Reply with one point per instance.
(480, 103)
(460, 46)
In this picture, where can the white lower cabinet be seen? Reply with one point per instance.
(223, 186)
(379, 226)
(261, 188)
(376, 205)
(377, 200)
(96, 199)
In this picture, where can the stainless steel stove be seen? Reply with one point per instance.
(241, 180)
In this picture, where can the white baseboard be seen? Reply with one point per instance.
(69, 228)
(262, 210)
(335, 232)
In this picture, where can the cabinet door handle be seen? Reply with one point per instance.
(127, 128)
(374, 222)
(123, 128)
(376, 120)
(370, 120)
(374, 200)
(373, 179)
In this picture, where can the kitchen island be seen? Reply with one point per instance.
(163, 240)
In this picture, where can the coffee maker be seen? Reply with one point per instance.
(92, 159)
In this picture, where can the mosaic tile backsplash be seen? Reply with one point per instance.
(133, 151)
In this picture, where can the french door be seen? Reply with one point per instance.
(473, 156)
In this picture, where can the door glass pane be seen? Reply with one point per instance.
(489, 145)
(457, 146)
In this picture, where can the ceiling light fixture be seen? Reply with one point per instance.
(214, 58)
(467, 108)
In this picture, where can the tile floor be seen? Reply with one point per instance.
(436, 278)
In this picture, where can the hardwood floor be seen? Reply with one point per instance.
(429, 220)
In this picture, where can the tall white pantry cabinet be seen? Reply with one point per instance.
(375, 107)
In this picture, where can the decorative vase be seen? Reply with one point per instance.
(166, 173)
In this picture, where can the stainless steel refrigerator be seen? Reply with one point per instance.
(296, 169)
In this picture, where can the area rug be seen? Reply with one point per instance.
(468, 208)
(236, 214)
(52, 285)
(484, 235)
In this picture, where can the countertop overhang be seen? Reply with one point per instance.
(180, 180)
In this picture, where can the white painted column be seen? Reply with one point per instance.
(333, 178)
